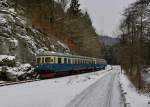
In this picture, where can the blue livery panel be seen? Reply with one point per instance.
(67, 67)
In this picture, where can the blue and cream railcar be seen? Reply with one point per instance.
(52, 64)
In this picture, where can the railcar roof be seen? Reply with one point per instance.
(49, 53)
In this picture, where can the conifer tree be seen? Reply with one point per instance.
(88, 18)
(74, 10)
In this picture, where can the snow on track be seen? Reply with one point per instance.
(48, 93)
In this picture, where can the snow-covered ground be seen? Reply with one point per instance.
(103, 93)
(48, 93)
(96, 89)
(146, 76)
(132, 97)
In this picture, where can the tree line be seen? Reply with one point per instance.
(134, 48)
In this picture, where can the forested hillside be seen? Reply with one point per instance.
(29, 27)
(110, 50)
(70, 26)
(109, 41)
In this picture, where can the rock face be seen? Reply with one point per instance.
(21, 40)
(77, 33)
(23, 36)
(18, 38)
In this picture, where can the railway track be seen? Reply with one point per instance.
(17, 82)
(27, 81)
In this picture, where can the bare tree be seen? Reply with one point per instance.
(134, 36)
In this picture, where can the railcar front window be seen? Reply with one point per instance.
(38, 60)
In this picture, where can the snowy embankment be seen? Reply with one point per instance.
(146, 76)
(48, 93)
(132, 97)
(2, 57)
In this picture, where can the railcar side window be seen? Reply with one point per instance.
(65, 60)
(93, 62)
(59, 61)
(76, 61)
(43, 60)
(69, 61)
(79, 61)
(54, 59)
(47, 60)
(84, 61)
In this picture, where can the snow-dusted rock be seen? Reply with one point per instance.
(7, 60)
(148, 70)
(19, 39)
(3, 4)
(20, 42)
(21, 72)
(2, 57)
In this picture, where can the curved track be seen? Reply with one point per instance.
(100, 94)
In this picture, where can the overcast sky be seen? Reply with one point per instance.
(105, 14)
